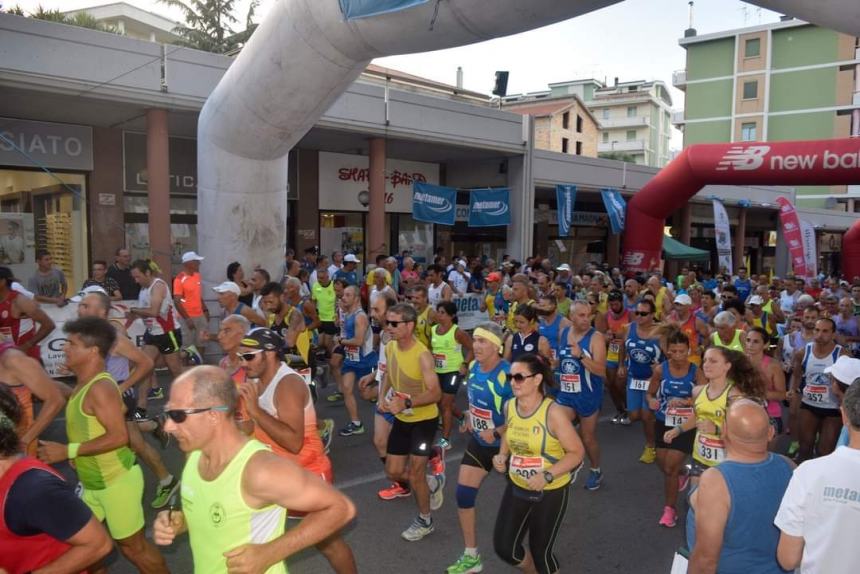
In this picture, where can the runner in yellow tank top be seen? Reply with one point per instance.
(424, 320)
(98, 448)
(235, 491)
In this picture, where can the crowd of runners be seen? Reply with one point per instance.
(734, 381)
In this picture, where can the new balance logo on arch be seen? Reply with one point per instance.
(743, 158)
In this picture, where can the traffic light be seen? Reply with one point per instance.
(501, 87)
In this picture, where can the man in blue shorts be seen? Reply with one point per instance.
(359, 356)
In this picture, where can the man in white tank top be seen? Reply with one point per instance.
(437, 289)
(819, 409)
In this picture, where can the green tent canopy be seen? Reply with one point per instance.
(675, 250)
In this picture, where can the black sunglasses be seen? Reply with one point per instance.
(395, 324)
(519, 377)
(248, 357)
(643, 313)
(179, 415)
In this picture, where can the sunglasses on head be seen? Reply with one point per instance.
(519, 377)
(249, 356)
(179, 415)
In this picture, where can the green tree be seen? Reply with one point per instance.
(618, 155)
(210, 25)
(81, 19)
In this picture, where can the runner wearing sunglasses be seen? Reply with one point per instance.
(235, 491)
(98, 443)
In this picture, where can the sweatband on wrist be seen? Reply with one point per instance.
(73, 450)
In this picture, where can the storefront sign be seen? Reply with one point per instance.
(489, 207)
(580, 218)
(182, 157)
(344, 182)
(565, 196)
(42, 144)
(469, 314)
(433, 203)
(615, 208)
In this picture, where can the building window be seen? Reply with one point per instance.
(752, 48)
(578, 148)
(605, 137)
(751, 90)
(565, 120)
(748, 132)
(605, 113)
(631, 111)
(565, 144)
(631, 135)
(578, 124)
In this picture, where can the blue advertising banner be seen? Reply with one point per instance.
(354, 9)
(615, 208)
(489, 207)
(433, 203)
(565, 196)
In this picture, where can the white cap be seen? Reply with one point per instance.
(462, 262)
(756, 300)
(563, 267)
(227, 287)
(191, 256)
(350, 258)
(86, 291)
(683, 299)
(845, 370)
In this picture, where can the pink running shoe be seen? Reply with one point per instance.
(394, 491)
(669, 518)
(683, 482)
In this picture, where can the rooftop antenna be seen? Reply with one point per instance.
(690, 31)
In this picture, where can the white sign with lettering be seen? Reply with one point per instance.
(45, 144)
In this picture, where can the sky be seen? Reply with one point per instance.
(631, 40)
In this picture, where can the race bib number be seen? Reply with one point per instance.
(639, 384)
(380, 372)
(710, 449)
(570, 383)
(352, 353)
(482, 419)
(526, 466)
(816, 393)
(676, 416)
(440, 360)
(614, 347)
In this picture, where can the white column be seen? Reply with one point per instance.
(522, 197)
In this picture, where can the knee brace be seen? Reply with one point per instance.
(466, 496)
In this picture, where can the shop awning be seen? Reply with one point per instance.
(674, 249)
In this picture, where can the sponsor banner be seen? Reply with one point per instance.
(43, 144)
(793, 238)
(723, 236)
(433, 203)
(810, 253)
(354, 9)
(565, 196)
(469, 314)
(615, 207)
(489, 207)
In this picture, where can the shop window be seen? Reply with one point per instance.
(565, 143)
(43, 211)
(748, 132)
(751, 90)
(183, 226)
(342, 232)
(752, 48)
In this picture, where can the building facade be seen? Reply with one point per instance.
(563, 125)
(787, 80)
(132, 21)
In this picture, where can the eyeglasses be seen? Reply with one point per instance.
(179, 415)
(519, 377)
(248, 357)
(395, 324)
(643, 313)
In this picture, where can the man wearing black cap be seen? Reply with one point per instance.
(282, 409)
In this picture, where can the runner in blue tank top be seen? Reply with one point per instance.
(527, 338)
(551, 324)
(359, 356)
(582, 369)
(670, 395)
(640, 352)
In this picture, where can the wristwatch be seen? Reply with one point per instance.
(548, 477)
(496, 435)
(408, 403)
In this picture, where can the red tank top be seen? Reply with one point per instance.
(10, 326)
(616, 324)
(21, 554)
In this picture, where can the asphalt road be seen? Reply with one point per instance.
(610, 530)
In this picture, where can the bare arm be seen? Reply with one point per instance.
(253, 316)
(654, 385)
(290, 397)
(509, 342)
(143, 365)
(595, 360)
(796, 372)
(789, 552)
(157, 295)
(89, 544)
(465, 341)
(712, 511)
(361, 327)
(778, 379)
(31, 309)
(574, 451)
(29, 373)
(310, 311)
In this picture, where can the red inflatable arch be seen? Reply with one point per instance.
(819, 162)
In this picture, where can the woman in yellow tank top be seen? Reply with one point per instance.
(544, 449)
(730, 375)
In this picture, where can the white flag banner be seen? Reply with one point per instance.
(723, 236)
(810, 255)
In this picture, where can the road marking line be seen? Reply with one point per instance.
(368, 478)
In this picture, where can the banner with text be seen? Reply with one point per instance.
(810, 248)
(565, 197)
(469, 314)
(723, 236)
(791, 231)
(433, 203)
(615, 208)
(489, 207)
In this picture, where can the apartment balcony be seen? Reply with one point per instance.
(625, 122)
(679, 79)
(678, 118)
(630, 146)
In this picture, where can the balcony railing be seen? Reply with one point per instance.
(625, 122)
(679, 79)
(631, 145)
(678, 117)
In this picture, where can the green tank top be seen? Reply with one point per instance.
(217, 517)
(98, 471)
(447, 352)
(324, 296)
(736, 344)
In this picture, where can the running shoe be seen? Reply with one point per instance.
(649, 455)
(616, 420)
(351, 428)
(669, 518)
(164, 493)
(595, 479)
(418, 529)
(793, 448)
(624, 420)
(140, 415)
(327, 433)
(437, 461)
(194, 356)
(443, 443)
(683, 482)
(156, 393)
(334, 397)
(466, 565)
(437, 495)
(394, 491)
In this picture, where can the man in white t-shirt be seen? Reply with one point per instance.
(820, 513)
(458, 278)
